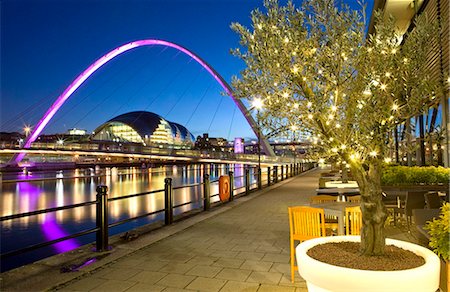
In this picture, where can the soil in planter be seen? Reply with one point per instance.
(346, 254)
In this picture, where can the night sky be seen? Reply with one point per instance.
(46, 44)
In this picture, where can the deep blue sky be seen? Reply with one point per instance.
(46, 44)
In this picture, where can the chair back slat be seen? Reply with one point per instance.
(353, 220)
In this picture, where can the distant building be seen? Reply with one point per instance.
(212, 144)
(77, 132)
(145, 128)
(238, 145)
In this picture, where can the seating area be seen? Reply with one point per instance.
(335, 210)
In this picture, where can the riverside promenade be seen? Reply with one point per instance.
(240, 246)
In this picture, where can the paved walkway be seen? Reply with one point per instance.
(243, 249)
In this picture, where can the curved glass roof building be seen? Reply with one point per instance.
(143, 127)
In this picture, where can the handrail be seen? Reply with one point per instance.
(49, 210)
(168, 190)
(134, 195)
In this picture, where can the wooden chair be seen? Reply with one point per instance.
(304, 223)
(322, 199)
(354, 199)
(331, 222)
(353, 220)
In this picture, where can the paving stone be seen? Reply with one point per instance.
(281, 268)
(228, 263)
(177, 268)
(204, 271)
(177, 257)
(224, 253)
(250, 255)
(206, 284)
(200, 260)
(129, 262)
(276, 257)
(233, 286)
(152, 265)
(256, 265)
(148, 277)
(86, 284)
(274, 288)
(113, 285)
(245, 247)
(286, 280)
(264, 277)
(175, 280)
(233, 274)
(143, 287)
(117, 274)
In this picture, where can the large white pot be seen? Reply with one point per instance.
(320, 276)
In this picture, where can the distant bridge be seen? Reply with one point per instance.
(83, 155)
(39, 127)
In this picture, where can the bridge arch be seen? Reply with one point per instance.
(39, 127)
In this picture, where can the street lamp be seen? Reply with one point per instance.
(258, 104)
(27, 130)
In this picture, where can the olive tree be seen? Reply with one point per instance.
(314, 68)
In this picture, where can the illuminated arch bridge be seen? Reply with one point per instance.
(145, 128)
(39, 127)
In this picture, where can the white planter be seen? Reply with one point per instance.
(320, 276)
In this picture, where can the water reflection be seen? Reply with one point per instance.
(76, 186)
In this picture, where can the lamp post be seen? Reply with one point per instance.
(258, 104)
(294, 150)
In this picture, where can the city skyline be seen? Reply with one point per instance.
(46, 44)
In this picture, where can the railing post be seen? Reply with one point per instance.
(206, 192)
(282, 172)
(168, 197)
(102, 218)
(247, 180)
(292, 169)
(230, 173)
(275, 174)
(268, 176)
(259, 178)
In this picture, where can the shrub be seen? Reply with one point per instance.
(440, 233)
(405, 175)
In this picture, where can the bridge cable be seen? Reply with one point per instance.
(231, 123)
(112, 76)
(184, 92)
(167, 85)
(215, 113)
(114, 91)
(32, 108)
(198, 104)
(135, 93)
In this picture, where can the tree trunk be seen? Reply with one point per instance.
(421, 157)
(373, 210)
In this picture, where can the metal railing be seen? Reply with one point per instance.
(102, 202)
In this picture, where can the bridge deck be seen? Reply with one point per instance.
(242, 245)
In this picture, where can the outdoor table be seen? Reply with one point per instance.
(340, 184)
(336, 209)
(341, 192)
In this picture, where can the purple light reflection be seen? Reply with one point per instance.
(106, 58)
(29, 195)
(53, 231)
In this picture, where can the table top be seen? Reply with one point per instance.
(338, 191)
(340, 184)
(337, 206)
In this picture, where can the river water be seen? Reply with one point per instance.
(30, 191)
